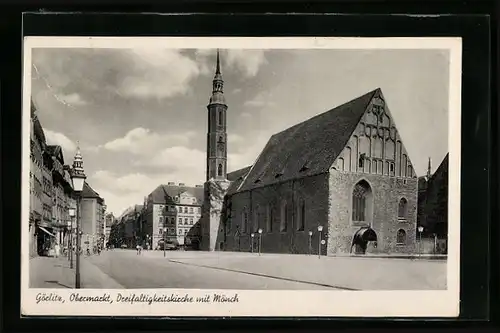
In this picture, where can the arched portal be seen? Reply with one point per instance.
(361, 239)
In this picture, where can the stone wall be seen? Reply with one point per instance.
(264, 208)
(212, 212)
(387, 192)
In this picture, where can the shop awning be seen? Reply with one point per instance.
(48, 232)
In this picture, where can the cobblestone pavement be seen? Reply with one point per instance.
(241, 270)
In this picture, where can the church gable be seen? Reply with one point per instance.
(375, 146)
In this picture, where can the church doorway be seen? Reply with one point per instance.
(362, 238)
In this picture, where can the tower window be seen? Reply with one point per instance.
(219, 170)
(220, 118)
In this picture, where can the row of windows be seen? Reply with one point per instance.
(171, 231)
(265, 219)
(181, 209)
(171, 220)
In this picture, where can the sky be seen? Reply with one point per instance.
(139, 114)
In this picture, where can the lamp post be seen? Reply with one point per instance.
(164, 242)
(72, 214)
(260, 241)
(420, 230)
(251, 244)
(78, 179)
(310, 241)
(320, 230)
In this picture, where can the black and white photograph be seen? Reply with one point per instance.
(198, 176)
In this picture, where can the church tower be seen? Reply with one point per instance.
(217, 136)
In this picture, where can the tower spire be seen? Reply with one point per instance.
(429, 169)
(217, 70)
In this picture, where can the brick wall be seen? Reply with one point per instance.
(313, 190)
(386, 194)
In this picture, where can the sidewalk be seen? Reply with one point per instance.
(49, 272)
(358, 273)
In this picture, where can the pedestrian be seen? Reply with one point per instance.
(57, 249)
(137, 247)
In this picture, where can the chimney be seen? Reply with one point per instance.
(182, 184)
(199, 185)
(171, 183)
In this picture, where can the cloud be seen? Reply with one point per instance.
(72, 99)
(159, 73)
(56, 138)
(236, 91)
(143, 141)
(260, 100)
(247, 62)
(178, 158)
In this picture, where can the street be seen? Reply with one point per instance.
(117, 269)
(152, 270)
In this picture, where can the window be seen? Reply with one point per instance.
(270, 218)
(191, 210)
(179, 221)
(220, 118)
(284, 217)
(359, 201)
(191, 221)
(301, 216)
(199, 210)
(244, 221)
(160, 231)
(180, 231)
(219, 170)
(185, 221)
(402, 210)
(401, 237)
(361, 161)
(256, 219)
(391, 168)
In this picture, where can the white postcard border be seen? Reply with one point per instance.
(443, 303)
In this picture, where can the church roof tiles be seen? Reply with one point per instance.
(307, 148)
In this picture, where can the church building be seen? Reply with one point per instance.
(341, 182)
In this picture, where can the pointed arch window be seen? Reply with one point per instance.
(360, 201)
(220, 117)
(401, 237)
(301, 216)
(244, 221)
(219, 170)
(402, 209)
(284, 217)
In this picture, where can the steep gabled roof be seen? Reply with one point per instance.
(307, 148)
(164, 192)
(236, 178)
(88, 192)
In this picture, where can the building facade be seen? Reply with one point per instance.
(175, 208)
(92, 218)
(433, 209)
(345, 171)
(108, 222)
(51, 193)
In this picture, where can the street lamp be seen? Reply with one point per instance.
(260, 240)
(310, 241)
(252, 235)
(164, 242)
(420, 230)
(78, 179)
(72, 213)
(320, 229)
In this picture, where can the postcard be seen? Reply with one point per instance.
(214, 176)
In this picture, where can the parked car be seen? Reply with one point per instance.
(169, 245)
(123, 246)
